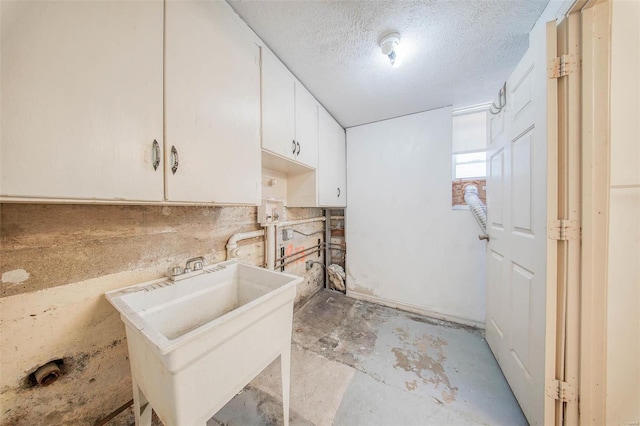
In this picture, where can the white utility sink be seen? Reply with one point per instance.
(195, 343)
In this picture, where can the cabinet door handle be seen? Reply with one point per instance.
(294, 147)
(156, 154)
(174, 160)
(298, 153)
(338, 192)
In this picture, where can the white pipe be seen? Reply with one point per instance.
(270, 245)
(232, 244)
(300, 221)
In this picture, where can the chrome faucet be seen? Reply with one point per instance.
(192, 267)
(193, 264)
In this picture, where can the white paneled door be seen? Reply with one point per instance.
(521, 198)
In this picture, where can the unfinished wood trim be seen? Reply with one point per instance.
(552, 414)
(596, 59)
(569, 199)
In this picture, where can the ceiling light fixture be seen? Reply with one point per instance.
(389, 44)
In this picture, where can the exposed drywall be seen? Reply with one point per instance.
(623, 293)
(56, 263)
(406, 246)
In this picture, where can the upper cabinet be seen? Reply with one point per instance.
(81, 100)
(84, 104)
(155, 102)
(332, 176)
(289, 114)
(212, 105)
(306, 127)
(278, 107)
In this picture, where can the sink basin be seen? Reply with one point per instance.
(195, 343)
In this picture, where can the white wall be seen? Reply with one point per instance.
(623, 294)
(406, 247)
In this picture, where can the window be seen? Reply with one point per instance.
(470, 165)
(469, 152)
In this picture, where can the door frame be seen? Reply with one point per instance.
(583, 196)
(584, 33)
(569, 199)
(595, 162)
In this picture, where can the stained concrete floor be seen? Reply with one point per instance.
(357, 363)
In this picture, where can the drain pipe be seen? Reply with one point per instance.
(232, 244)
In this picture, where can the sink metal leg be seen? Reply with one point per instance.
(285, 367)
(141, 407)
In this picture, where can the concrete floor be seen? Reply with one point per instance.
(357, 363)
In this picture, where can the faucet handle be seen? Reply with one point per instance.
(175, 271)
(194, 264)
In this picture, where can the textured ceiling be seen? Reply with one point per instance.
(455, 52)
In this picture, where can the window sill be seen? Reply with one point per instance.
(465, 207)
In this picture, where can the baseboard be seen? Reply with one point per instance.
(403, 306)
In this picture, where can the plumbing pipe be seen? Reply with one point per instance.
(300, 221)
(337, 217)
(270, 243)
(318, 250)
(47, 374)
(316, 247)
(232, 244)
(327, 241)
(270, 247)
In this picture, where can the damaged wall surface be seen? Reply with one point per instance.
(56, 263)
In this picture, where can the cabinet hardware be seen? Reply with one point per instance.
(174, 159)
(338, 192)
(156, 154)
(294, 147)
(298, 153)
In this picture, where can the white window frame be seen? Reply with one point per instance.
(454, 163)
(454, 178)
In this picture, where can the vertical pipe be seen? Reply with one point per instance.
(271, 246)
(327, 240)
(344, 240)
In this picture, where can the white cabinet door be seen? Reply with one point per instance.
(277, 107)
(212, 104)
(81, 100)
(332, 170)
(306, 119)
